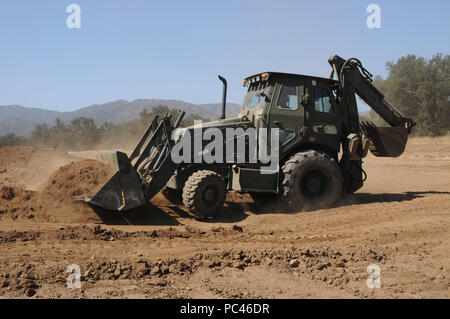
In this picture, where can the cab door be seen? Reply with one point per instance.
(323, 120)
(287, 114)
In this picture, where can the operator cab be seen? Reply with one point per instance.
(303, 108)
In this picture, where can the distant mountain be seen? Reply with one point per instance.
(22, 120)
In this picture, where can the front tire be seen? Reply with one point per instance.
(204, 193)
(311, 180)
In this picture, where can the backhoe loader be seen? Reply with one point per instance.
(320, 146)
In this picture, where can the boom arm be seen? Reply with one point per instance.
(355, 79)
(351, 73)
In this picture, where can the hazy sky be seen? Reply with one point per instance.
(130, 49)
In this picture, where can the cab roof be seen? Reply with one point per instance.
(264, 76)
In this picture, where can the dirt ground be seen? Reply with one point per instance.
(399, 221)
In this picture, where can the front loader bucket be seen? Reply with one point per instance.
(142, 175)
(123, 191)
(385, 141)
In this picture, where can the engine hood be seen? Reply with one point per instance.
(231, 122)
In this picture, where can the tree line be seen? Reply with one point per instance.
(83, 134)
(420, 89)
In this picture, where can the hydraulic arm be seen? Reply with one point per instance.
(355, 79)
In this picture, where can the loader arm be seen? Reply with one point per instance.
(355, 79)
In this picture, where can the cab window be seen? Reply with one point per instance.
(255, 96)
(322, 100)
(288, 98)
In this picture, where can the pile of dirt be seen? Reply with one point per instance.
(17, 203)
(27, 167)
(77, 179)
(54, 202)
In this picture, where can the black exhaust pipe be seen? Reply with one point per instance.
(224, 97)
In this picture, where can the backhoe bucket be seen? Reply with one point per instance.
(385, 141)
(123, 191)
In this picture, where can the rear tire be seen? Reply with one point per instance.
(204, 193)
(311, 180)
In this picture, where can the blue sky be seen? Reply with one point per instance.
(175, 49)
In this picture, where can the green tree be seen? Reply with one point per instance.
(84, 132)
(420, 89)
(60, 136)
(12, 140)
(40, 137)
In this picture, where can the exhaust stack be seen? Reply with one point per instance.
(224, 97)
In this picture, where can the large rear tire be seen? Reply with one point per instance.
(204, 193)
(311, 180)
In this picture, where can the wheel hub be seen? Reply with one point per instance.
(209, 194)
(314, 184)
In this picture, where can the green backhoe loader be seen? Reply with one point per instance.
(320, 144)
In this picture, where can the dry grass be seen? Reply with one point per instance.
(430, 140)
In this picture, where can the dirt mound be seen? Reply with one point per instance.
(54, 202)
(77, 179)
(81, 178)
(17, 203)
(27, 167)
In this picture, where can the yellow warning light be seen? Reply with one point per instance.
(264, 75)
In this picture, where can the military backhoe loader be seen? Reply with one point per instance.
(321, 144)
